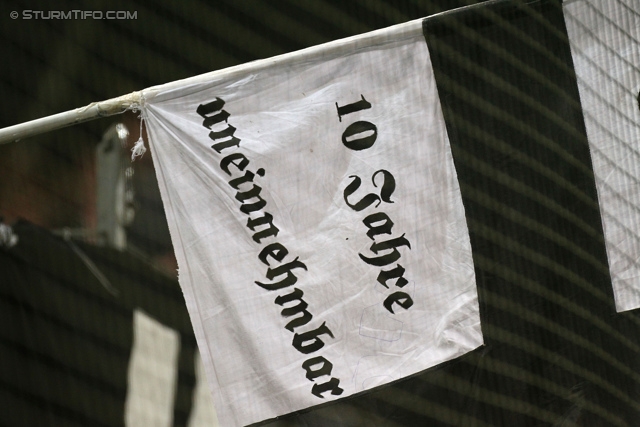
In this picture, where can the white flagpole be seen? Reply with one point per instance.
(92, 111)
(120, 104)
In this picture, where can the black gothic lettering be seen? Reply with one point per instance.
(274, 250)
(324, 369)
(401, 298)
(251, 203)
(387, 189)
(357, 136)
(237, 159)
(363, 203)
(206, 109)
(270, 231)
(233, 142)
(228, 132)
(395, 273)
(254, 193)
(387, 258)
(300, 307)
(210, 121)
(237, 182)
(384, 224)
(308, 342)
(248, 177)
(331, 385)
(291, 279)
(367, 132)
(363, 104)
(388, 185)
(225, 133)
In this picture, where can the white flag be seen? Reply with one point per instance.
(604, 38)
(317, 220)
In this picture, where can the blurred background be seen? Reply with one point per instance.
(94, 328)
(54, 65)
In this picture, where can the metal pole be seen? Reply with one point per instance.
(92, 111)
(120, 104)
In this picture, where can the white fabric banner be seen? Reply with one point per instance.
(318, 224)
(604, 37)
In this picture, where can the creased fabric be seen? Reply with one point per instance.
(606, 54)
(317, 220)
